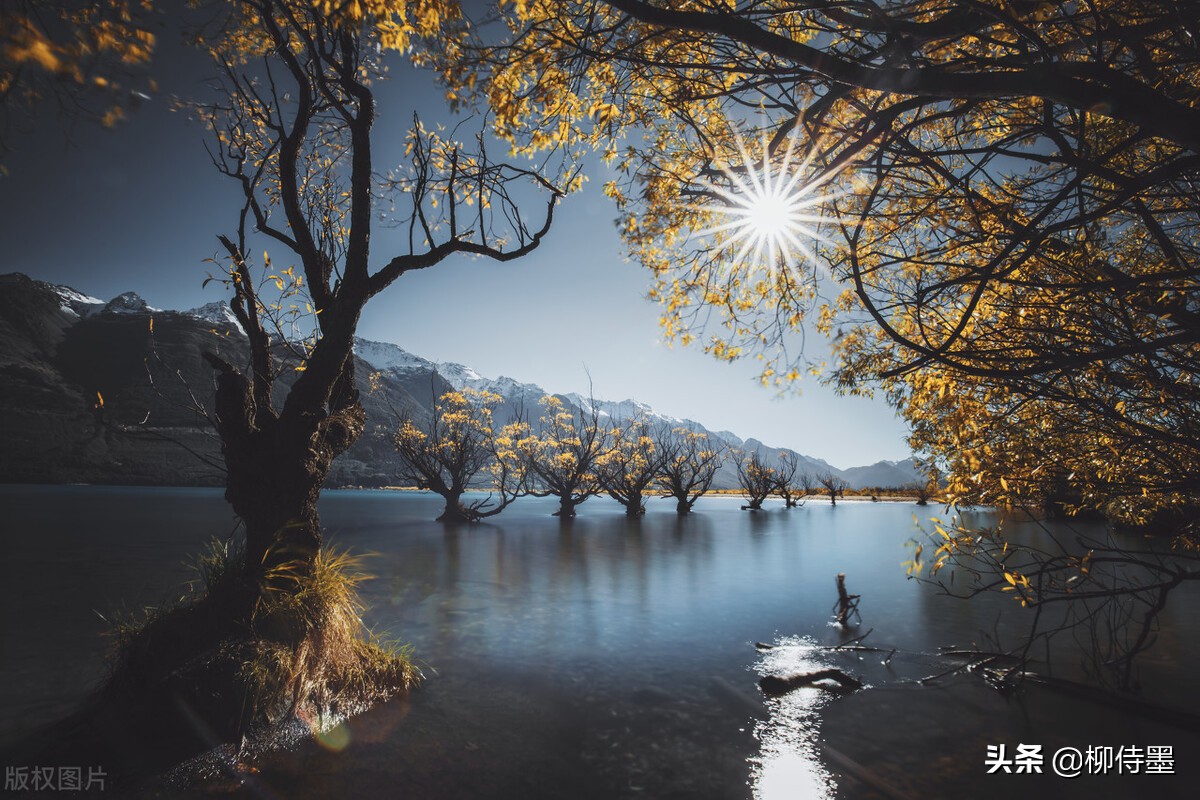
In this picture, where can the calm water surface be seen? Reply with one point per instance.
(597, 657)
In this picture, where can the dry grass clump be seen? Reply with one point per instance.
(312, 651)
(233, 659)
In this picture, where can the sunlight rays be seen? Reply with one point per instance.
(772, 213)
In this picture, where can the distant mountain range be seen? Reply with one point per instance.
(63, 352)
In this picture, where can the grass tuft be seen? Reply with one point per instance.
(244, 660)
(313, 651)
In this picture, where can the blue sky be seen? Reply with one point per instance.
(138, 207)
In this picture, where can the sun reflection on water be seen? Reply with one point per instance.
(788, 766)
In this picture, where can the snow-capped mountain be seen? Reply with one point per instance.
(525, 397)
(82, 305)
(60, 349)
(461, 377)
(129, 303)
(623, 409)
(218, 313)
(78, 304)
(385, 356)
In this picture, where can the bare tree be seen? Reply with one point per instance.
(455, 447)
(791, 484)
(807, 483)
(631, 466)
(294, 134)
(689, 462)
(757, 480)
(834, 486)
(929, 488)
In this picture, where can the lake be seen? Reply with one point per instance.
(598, 657)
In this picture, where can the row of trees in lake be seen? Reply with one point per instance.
(1009, 191)
(576, 454)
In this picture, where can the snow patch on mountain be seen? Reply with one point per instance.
(128, 303)
(463, 377)
(523, 395)
(218, 313)
(459, 376)
(623, 410)
(730, 437)
(384, 356)
(76, 303)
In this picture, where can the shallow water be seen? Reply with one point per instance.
(596, 657)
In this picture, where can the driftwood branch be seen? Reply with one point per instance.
(776, 685)
(846, 604)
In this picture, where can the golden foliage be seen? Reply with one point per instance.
(87, 58)
(568, 452)
(1013, 222)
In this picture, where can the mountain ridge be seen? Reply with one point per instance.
(62, 349)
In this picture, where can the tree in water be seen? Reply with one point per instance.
(1010, 208)
(929, 489)
(834, 486)
(757, 480)
(1004, 203)
(688, 463)
(456, 446)
(567, 454)
(275, 630)
(632, 464)
(294, 134)
(791, 484)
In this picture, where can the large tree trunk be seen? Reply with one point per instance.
(683, 506)
(277, 464)
(566, 507)
(635, 507)
(455, 511)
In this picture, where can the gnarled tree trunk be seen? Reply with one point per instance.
(455, 511)
(635, 507)
(566, 507)
(277, 463)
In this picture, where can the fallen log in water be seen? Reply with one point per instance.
(775, 685)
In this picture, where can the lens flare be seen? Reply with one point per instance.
(773, 210)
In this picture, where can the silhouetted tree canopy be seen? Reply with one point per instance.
(299, 85)
(1003, 231)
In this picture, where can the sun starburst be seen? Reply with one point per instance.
(773, 208)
